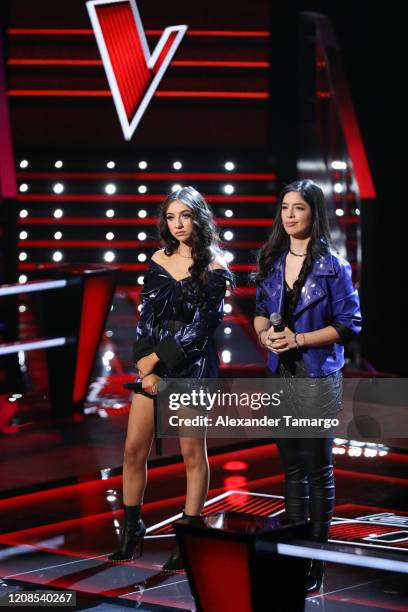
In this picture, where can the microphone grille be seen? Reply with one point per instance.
(276, 318)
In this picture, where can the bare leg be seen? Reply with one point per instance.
(194, 451)
(137, 447)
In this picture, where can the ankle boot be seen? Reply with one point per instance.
(175, 561)
(133, 533)
(314, 578)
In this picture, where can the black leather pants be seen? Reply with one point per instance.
(309, 482)
(307, 462)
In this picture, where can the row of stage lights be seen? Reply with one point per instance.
(109, 257)
(111, 188)
(142, 214)
(142, 165)
(228, 235)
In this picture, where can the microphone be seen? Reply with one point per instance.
(277, 322)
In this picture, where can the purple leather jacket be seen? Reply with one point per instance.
(328, 296)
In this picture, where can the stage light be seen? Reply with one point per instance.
(228, 235)
(109, 256)
(140, 280)
(23, 187)
(142, 236)
(142, 214)
(110, 212)
(227, 308)
(142, 257)
(229, 166)
(110, 165)
(229, 189)
(229, 213)
(338, 188)
(229, 256)
(58, 213)
(339, 212)
(58, 188)
(23, 213)
(24, 163)
(140, 307)
(177, 165)
(226, 356)
(22, 279)
(357, 211)
(110, 189)
(110, 236)
(227, 293)
(227, 331)
(338, 165)
(58, 235)
(57, 256)
(109, 355)
(176, 187)
(58, 164)
(23, 235)
(142, 165)
(142, 189)
(22, 308)
(22, 256)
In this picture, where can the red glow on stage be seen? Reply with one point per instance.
(175, 63)
(129, 221)
(89, 32)
(129, 197)
(235, 465)
(102, 93)
(153, 176)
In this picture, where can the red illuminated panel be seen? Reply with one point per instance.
(97, 295)
(210, 559)
(125, 52)
(132, 72)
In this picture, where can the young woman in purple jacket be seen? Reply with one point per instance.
(301, 277)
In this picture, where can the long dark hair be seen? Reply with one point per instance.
(204, 240)
(279, 241)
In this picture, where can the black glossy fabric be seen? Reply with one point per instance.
(177, 326)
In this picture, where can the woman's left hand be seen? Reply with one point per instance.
(146, 365)
(280, 342)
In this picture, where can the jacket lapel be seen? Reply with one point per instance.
(314, 288)
(273, 284)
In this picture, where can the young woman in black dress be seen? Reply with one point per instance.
(310, 285)
(182, 304)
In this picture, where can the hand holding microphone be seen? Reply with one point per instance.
(281, 339)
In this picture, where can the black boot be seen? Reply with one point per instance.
(175, 561)
(314, 578)
(133, 533)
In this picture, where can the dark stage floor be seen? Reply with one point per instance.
(58, 538)
(60, 489)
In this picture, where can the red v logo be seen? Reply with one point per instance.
(133, 73)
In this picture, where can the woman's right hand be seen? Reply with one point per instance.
(149, 383)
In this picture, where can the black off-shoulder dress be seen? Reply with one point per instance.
(178, 324)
